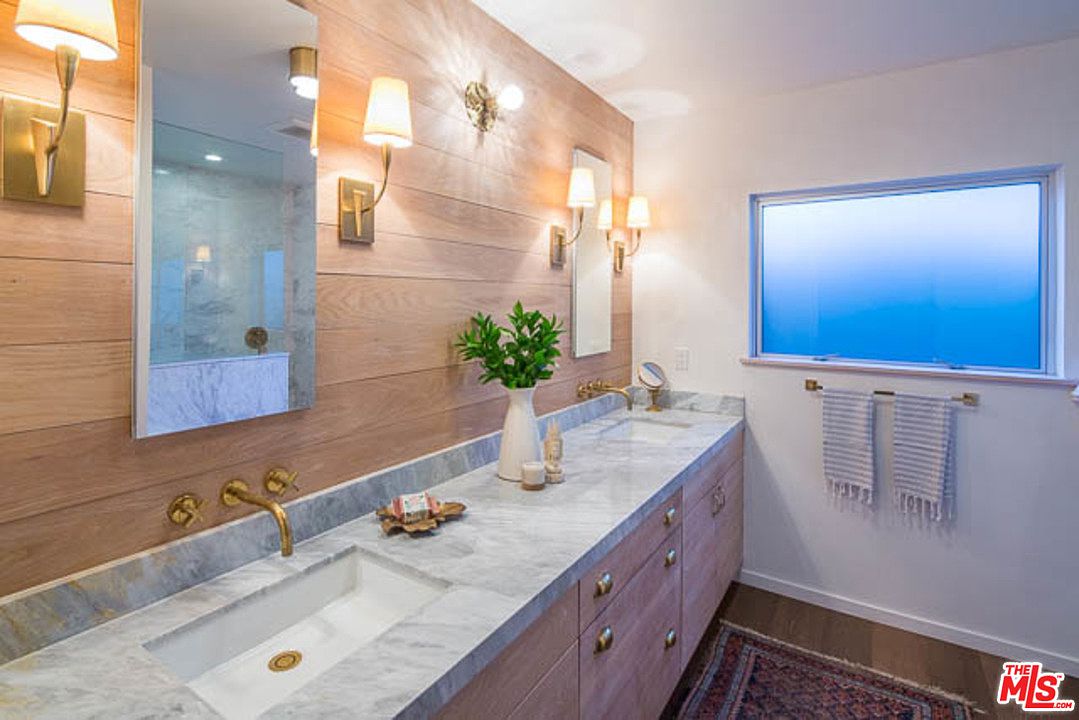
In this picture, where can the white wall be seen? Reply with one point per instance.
(1005, 577)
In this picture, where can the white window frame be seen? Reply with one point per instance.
(1045, 176)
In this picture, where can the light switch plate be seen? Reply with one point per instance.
(681, 359)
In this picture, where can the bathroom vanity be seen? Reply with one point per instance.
(587, 598)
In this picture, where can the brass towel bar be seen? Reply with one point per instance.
(968, 398)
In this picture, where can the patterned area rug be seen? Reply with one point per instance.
(752, 676)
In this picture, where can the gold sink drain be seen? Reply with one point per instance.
(286, 660)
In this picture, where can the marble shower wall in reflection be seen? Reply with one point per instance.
(226, 235)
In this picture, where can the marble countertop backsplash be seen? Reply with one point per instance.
(511, 556)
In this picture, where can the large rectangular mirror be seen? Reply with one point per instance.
(592, 265)
(225, 228)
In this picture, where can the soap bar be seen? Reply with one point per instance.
(414, 507)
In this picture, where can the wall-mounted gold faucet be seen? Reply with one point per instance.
(600, 387)
(236, 491)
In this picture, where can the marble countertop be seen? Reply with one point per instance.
(504, 564)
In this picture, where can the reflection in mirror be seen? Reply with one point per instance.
(225, 213)
(654, 379)
(592, 267)
(652, 376)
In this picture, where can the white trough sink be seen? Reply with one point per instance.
(645, 430)
(326, 614)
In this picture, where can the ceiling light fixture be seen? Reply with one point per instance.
(303, 71)
(483, 106)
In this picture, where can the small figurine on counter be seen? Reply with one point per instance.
(552, 453)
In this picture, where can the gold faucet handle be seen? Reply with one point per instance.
(186, 509)
(279, 481)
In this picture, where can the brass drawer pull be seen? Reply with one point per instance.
(719, 501)
(668, 517)
(604, 640)
(670, 639)
(670, 558)
(604, 584)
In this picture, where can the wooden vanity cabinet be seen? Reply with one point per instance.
(530, 662)
(712, 542)
(616, 644)
(629, 655)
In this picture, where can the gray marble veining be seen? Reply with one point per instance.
(504, 564)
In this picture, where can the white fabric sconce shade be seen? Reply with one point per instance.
(605, 219)
(638, 216)
(582, 188)
(88, 26)
(389, 120)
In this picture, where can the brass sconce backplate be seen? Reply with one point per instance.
(619, 256)
(18, 173)
(558, 246)
(353, 225)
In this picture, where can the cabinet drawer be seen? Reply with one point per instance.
(624, 560)
(712, 540)
(557, 695)
(504, 684)
(635, 676)
(699, 485)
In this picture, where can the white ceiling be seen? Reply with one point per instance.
(661, 57)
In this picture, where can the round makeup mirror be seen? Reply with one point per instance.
(654, 379)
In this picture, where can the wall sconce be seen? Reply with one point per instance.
(36, 166)
(605, 219)
(582, 195)
(303, 71)
(483, 107)
(388, 124)
(638, 218)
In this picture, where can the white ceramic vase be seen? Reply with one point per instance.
(520, 435)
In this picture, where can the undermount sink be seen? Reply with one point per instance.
(324, 614)
(649, 430)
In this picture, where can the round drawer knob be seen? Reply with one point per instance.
(604, 584)
(668, 517)
(670, 639)
(604, 640)
(670, 558)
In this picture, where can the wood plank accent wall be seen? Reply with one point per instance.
(463, 227)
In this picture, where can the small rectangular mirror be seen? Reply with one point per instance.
(225, 213)
(592, 267)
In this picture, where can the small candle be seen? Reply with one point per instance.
(532, 475)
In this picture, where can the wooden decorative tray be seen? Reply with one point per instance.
(447, 511)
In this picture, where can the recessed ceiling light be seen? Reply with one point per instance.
(214, 158)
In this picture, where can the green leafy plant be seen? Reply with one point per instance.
(526, 356)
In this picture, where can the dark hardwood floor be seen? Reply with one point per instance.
(907, 655)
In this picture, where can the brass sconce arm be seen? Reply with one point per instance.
(47, 135)
(578, 216)
(387, 158)
(636, 243)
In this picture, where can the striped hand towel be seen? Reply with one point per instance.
(924, 456)
(848, 443)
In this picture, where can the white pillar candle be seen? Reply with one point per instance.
(532, 475)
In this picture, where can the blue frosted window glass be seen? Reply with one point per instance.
(939, 276)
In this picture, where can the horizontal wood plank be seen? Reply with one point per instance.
(52, 301)
(63, 384)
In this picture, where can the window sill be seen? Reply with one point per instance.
(976, 375)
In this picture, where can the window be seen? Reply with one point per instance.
(943, 274)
